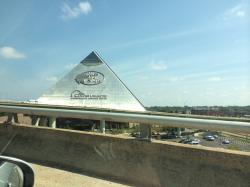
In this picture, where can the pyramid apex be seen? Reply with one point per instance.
(92, 59)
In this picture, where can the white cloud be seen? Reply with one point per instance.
(241, 13)
(85, 7)
(174, 79)
(74, 12)
(51, 78)
(236, 11)
(70, 66)
(214, 79)
(146, 95)
(11, 53)
(155, 38)
(68, 12)
(144, 77)
(160, 65)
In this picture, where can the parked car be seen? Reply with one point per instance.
(169, 136)
(215, 136)
(226, 141)
(192, 141)
(209, 138)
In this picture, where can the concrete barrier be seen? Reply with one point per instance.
(127, 160)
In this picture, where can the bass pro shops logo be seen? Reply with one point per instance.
(89, 78)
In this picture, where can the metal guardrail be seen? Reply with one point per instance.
(148, 112)
(208, 124)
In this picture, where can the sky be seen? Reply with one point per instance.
(171, 53)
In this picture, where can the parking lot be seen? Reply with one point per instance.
(234, 143)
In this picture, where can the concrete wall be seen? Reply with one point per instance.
(127, 160)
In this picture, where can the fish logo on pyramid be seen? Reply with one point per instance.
(92, 83)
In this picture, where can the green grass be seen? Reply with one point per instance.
(233, 147)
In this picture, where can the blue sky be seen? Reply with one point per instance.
(167, 52)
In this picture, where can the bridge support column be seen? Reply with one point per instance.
(43, 121)
(15, 118)
(34, 120)
(52, 122)
(145, 131)
(102, 126)
(12, 117)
